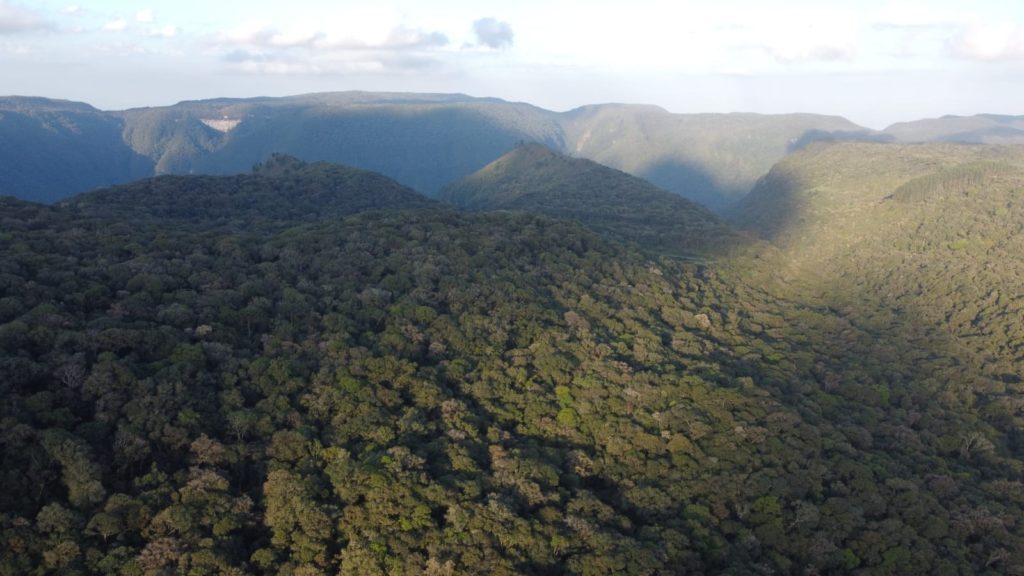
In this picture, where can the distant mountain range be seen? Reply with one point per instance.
(51, 149)
(978, 129)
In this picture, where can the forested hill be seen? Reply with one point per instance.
(422, 140)
(921, 247)
(416, 390)
(534, 178)
(915, 237)
(282, 190)
(929, 232)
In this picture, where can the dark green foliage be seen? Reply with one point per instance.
(282, 190)
(422, 391)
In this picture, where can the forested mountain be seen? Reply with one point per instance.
(399, 388)
(421, 140)
(51, 149)
(534, 178)
(978, 129)
(283, 191)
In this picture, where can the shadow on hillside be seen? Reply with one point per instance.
(874, 325)
(772, 208)
(423, 150)
(692, 181)
(55, 156)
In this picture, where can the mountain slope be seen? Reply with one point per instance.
(918, 244)
(711, 158)
(535, 179)
(845, 184)
(421, 140)
(978, 129)
(50, 149)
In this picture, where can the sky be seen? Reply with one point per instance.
(873, 61)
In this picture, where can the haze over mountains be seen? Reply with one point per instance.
(978, 129)
(424, 141)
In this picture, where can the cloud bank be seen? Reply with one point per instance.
(990, 42)
(265, 49)
(15, 19)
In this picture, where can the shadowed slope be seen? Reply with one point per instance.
(50, 149)
(535, 179)
(711, 158)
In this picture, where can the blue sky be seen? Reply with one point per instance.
(873, 61)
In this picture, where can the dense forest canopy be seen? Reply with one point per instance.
(312, 370)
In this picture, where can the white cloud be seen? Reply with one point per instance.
(168, 31)
(402, 38)
(913, 15)
(691, 37)
(276, 62)
(379, 43)
(14, 19)
(822, 36)
(73, 10)
(118, 25)
(265, 36)
(14, 49)
(397, 38)
(789, 52)
(144, 16)
(990, 42)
